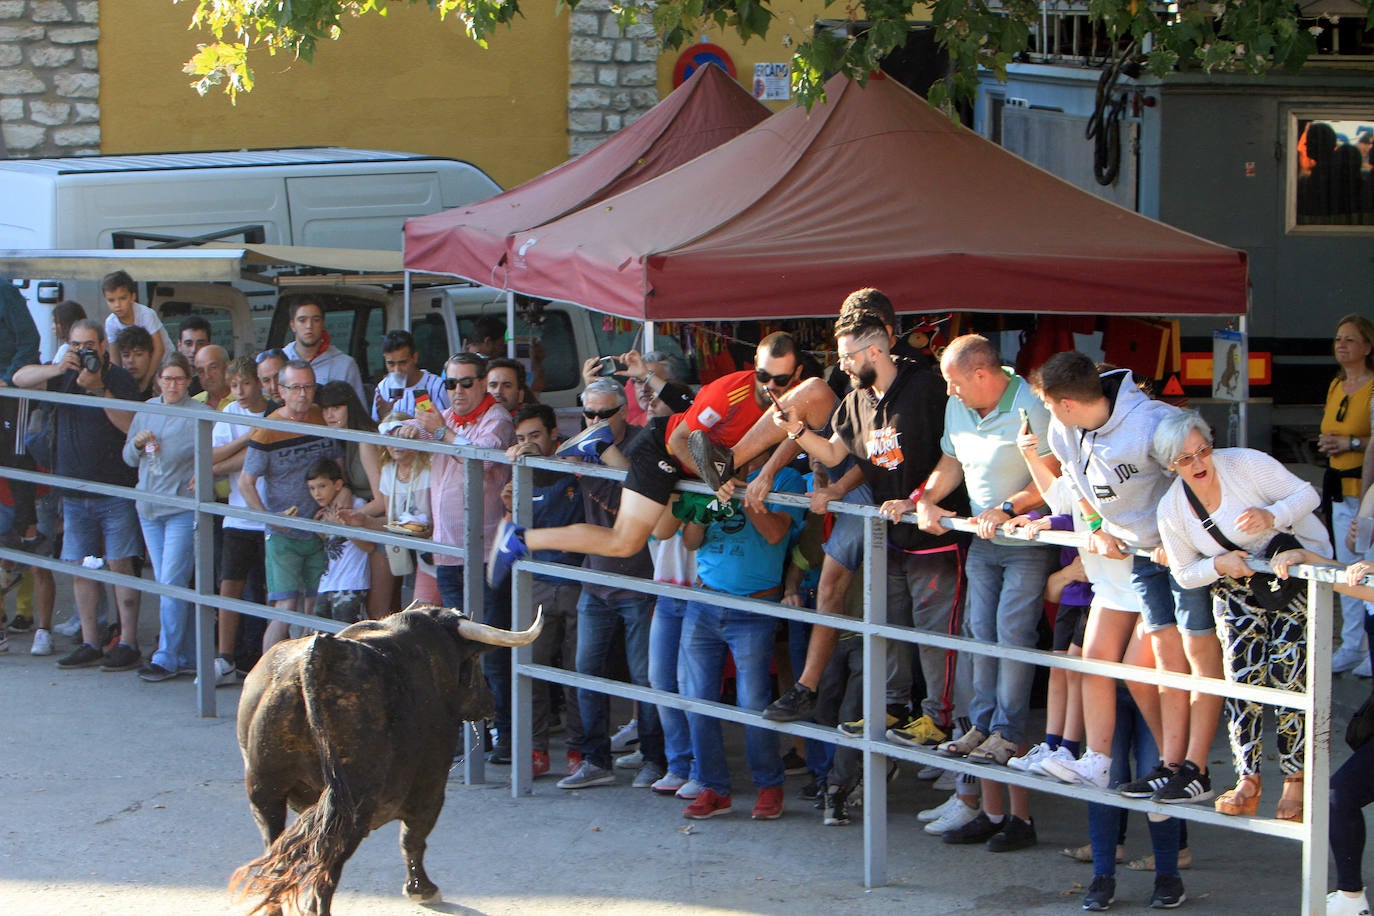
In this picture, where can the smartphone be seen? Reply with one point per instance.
(782, 411)
(1025, 420)
(610, 366)
(422, 401)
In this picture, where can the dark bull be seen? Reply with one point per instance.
(353, 731)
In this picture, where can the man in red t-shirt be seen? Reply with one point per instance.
(726, 412)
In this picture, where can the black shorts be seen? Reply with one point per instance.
(653, 472)
(241, 554)
(1069, 625)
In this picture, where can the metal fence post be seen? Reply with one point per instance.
(474, 589)
(875, 702)
(206, 629)
(1317, 748)
(522, 615)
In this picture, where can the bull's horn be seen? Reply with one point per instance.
(495, 636)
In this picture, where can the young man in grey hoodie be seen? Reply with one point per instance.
(312, 345)
(1101, 432)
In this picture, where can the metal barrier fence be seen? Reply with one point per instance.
(1314, 703)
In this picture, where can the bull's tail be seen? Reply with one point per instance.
(300, 871)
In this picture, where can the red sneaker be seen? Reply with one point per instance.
(709, 804)
(541, 763)
(769, 804)
(574, 761)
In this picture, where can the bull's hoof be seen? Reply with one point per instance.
(422, 893)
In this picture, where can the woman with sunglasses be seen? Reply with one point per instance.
(1344, 440)
(1249, 497)
(163, 449)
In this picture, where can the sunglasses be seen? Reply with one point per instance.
(601, 414)
(781, 381)
(466, 382)
(1183, 461)
(1344, 406)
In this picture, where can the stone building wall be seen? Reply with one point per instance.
(612, 77)
(49, 78)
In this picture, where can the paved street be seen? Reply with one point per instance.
(117, 799)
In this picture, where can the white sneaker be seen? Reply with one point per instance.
(955, 819)
(1338, 904)
(669, 784)
(1092, 769)
(689, 790)
(631, 761)
(929, 772)
(946, 781)
(1362, 669)
(69, 627)
(42, 643)
(1061, 753)
(625, 738)
(939, 811)
(225, 674)
(1024, 763)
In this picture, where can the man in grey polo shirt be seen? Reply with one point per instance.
(984, 414)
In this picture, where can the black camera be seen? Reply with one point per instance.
(90, 360)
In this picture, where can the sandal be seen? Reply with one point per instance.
(1147, 863)
(1084, 853)
(1243, 799)
(1290, 809)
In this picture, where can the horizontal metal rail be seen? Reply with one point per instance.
(875, 749)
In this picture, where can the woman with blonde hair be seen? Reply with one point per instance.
(1344, 440)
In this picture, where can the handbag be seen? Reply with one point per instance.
(401, 559)
(1267, 590)
(1361, 727)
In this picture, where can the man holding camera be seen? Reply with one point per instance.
(87, 444)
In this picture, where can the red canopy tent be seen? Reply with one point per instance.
(872, 188)
(705, 111)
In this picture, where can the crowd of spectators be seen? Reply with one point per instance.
(1169, 522)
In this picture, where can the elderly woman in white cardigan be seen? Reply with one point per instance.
(1250, 497)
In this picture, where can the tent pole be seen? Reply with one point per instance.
(510, 323)
(1243, 433)
(648, 337)
(405, 323)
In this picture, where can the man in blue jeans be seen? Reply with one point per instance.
(988, 406)
(741, 555)
(603, 607)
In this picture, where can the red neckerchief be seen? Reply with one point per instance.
(324, 342)
(459, 420)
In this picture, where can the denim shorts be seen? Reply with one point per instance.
(846, 541)
(1168, 604)
(99, 526)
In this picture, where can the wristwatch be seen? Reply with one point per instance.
(1008, 508)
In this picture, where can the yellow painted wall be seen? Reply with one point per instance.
(404, 82)
(793, 19)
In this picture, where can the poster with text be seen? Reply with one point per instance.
(772, 82)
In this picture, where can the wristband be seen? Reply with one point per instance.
(801, 432)
(1095, 524)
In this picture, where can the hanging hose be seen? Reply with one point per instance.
(1104, 127)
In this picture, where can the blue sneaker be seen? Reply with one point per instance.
(506, 548)
(588, 444)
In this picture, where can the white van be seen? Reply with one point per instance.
(320, 197)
